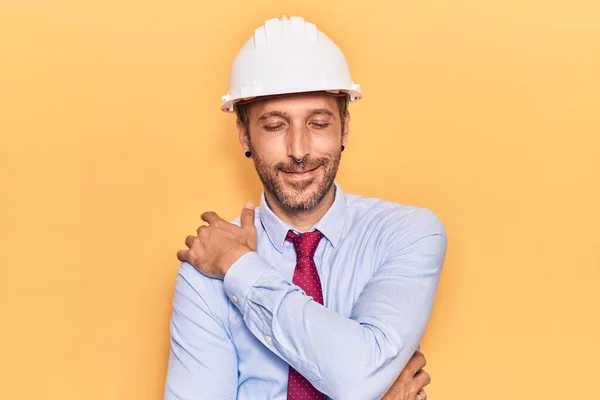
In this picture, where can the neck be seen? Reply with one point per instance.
(301, 220)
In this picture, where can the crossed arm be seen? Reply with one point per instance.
(383, 331)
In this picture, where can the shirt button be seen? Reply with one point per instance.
(235, 299)
(269, 340)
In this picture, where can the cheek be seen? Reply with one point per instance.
(276, 146)
(271, 150)
(272, 147)
(326, 144)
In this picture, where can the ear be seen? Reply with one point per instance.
(243, 135)
(346, 130)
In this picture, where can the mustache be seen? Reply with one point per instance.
(306, 165)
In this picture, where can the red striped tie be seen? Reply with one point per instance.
(307, 278)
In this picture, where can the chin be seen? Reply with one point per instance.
(301, 197)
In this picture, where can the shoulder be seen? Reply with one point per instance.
(394, 222)
(203, 293)
(395, 214)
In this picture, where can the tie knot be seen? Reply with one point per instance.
(306, 243)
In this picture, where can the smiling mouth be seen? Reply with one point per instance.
(300, 172)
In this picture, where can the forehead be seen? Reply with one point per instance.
(294, 104)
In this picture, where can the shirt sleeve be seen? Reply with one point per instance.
(359, 356)
(203, 360)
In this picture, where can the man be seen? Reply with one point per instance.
(316, 293)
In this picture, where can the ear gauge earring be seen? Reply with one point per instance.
(343, 147)
(248, 154)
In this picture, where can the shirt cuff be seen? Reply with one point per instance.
(242, 275)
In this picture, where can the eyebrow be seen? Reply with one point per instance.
(272, 114)
(321, 111)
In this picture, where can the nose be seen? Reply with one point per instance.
(298, 142)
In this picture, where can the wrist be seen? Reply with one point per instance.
(232, 257)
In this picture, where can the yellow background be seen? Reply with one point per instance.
(112, 144)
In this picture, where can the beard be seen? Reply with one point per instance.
(298, 195)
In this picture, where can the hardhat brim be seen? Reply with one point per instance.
(353, 95)
(276, 96)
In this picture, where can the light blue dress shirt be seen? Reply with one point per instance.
(379, 264)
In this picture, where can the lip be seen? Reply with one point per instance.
(302, 174)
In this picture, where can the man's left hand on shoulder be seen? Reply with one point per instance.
(220, 244)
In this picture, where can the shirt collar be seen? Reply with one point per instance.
(330, 225)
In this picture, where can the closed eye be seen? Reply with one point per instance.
(272, 128)
(320, 126)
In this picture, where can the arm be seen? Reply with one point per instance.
(382, 333)
(203, 360)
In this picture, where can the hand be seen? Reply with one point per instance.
(411, 381)
(220, 244)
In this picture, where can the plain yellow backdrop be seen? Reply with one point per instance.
(112, 145)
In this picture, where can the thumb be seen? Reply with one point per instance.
(247, 217)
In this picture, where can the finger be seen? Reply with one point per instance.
(200, 228)
(422, 379)
(211, 217)
(182, 255)
(189, 241)
(419, 360)
(421, 395)
(247, 218)
(416, 362)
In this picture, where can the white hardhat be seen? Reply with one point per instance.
(288, 56)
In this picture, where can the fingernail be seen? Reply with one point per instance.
(249, 206)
